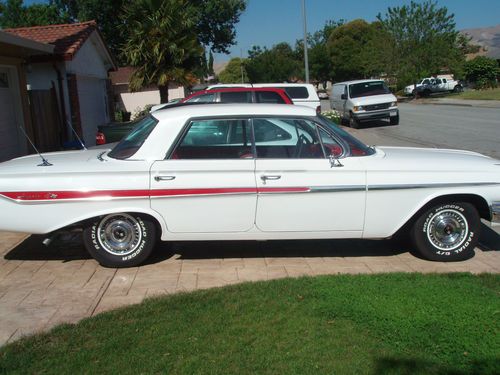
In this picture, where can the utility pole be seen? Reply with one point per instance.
(306, 60)
(241, 64)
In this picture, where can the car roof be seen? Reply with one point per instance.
(243, 109)
(238, 89)
(358, 81)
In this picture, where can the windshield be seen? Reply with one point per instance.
(357, 148)
(133, 141)
(368, 88)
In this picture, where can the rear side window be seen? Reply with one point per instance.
(205, 98)
(295, 92)
(269, 97)
(132, 142)
(236, 97)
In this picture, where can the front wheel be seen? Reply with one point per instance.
(120, 240)
(353, 123)
(447, 232)
(394, 120)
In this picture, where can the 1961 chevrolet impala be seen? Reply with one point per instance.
(250, 172)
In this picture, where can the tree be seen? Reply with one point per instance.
(234, 72)
(279, 64)
(14, 14)
(210, 66)
(162, 43)
(483, 71)
(424, 39)
(357, 50)
(213, 20)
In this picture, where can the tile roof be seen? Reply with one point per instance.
(67, 38)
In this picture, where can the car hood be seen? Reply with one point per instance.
(60, 161)
(375, 99)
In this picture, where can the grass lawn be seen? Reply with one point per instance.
(490, 94)
(366, 324)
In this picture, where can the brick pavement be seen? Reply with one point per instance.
(41, 287)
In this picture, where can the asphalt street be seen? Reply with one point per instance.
(434, 125)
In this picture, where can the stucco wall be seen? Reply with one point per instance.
(87, 61)
(135, 101)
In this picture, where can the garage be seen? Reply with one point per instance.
(9, 135)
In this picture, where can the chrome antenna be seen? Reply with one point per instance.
(45, 162)
(76, 134)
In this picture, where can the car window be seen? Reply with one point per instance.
(215, 139)
(205, 98)
(444, 80)
(425, 82)
(295, 92)
(269, 97)
(438, 81)
(236, 97)
(283, 138)
(368, 89)
(132, 142)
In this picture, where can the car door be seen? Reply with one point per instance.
(299, 188)
(207, 183)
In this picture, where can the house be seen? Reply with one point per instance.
(14, 103)
(133, 102)
(76, 71)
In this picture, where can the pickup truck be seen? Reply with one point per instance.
(431, 85)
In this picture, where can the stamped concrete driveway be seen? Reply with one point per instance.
(41, 287)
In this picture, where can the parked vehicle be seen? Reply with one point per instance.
(114, 132)
(431, 85)
(300, 93)
(235, 95)
(323, 94)
(364, 100)
(250, 172)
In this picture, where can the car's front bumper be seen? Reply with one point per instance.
(376, 115)
(495, 212)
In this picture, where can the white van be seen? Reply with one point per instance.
(364, 100)
(300, 93)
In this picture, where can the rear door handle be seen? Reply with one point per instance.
(164, 178)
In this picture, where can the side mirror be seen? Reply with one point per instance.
(343, 97)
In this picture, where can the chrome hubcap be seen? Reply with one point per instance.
(119, 234)
(447, 229)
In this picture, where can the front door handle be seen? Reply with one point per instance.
(164, 178)
(264, 177)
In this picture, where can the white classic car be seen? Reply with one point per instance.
(250, 172)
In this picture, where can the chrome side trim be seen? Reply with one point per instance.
(427, 186)
(495, 212)
(336, 189)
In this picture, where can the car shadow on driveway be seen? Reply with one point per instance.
(69, 249)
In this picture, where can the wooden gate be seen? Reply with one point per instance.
(47, 124)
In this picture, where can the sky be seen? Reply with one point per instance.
(268, 22)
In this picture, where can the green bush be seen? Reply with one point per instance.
(482, 71)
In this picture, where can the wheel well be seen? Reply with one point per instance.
(477, 201)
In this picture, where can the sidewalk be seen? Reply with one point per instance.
(457, 102)
(41, 287)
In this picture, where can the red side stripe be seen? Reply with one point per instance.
(96, 194)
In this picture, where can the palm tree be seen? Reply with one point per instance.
(162, 44)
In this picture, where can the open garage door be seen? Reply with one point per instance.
(9, 135)
(93, 107)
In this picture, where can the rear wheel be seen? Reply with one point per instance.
(120, 240)
(447, 232)
(458, 88)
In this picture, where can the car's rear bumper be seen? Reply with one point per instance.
(495, 212)
(376, 115)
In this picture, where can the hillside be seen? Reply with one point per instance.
(488, 38)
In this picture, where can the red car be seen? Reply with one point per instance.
(236, 95)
